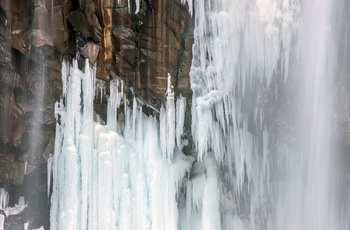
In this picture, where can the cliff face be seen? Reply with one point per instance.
(139, 44)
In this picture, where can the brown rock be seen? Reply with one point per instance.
(36, 35)
(90, 51)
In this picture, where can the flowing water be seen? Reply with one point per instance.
(310, 197)
(266, 150)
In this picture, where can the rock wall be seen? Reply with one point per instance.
(140, 45)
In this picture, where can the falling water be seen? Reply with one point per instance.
(311, 196)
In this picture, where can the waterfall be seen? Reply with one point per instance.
(263, 77)
(311, 197)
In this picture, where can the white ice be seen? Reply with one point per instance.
(111, 177)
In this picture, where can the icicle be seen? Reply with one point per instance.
(90, 161)
(134, 114)
(170, 119)
(25, 166)
(100, 87)
(167, 123)
(25, 225)
(163, 131)
(190, 5)
(4, 198)
(229, 63)
(114, 102)
(10, 211)
(49, 174)
(211, 196)
(64, 71)
(180, 119)
(137, 6)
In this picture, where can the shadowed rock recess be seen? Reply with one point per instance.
(37, 35)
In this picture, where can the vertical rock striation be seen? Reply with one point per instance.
(138, 43)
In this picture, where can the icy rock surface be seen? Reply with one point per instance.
(4, 202)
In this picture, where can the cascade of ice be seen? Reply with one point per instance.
(239, 47)
(129, 174)
(243, 52)
(111, 176)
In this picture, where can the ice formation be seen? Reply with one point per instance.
(112, 176)
(26, 227)
(137, 6)
(132, 174)
(168, 123)
(6, 210)
(237, 50)
(241, 49)
(4, 202)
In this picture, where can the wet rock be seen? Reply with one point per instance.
(41, 31)
(80, 23)
(34, 190)
(12, 170)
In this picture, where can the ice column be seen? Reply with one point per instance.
(4, 199)
(112, 176)
(180, 119)
(168, 123)
(2, 221)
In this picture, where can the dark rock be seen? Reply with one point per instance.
(36, 35)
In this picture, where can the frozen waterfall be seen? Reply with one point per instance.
(111, 176)
(253, 61)
(264, 143)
